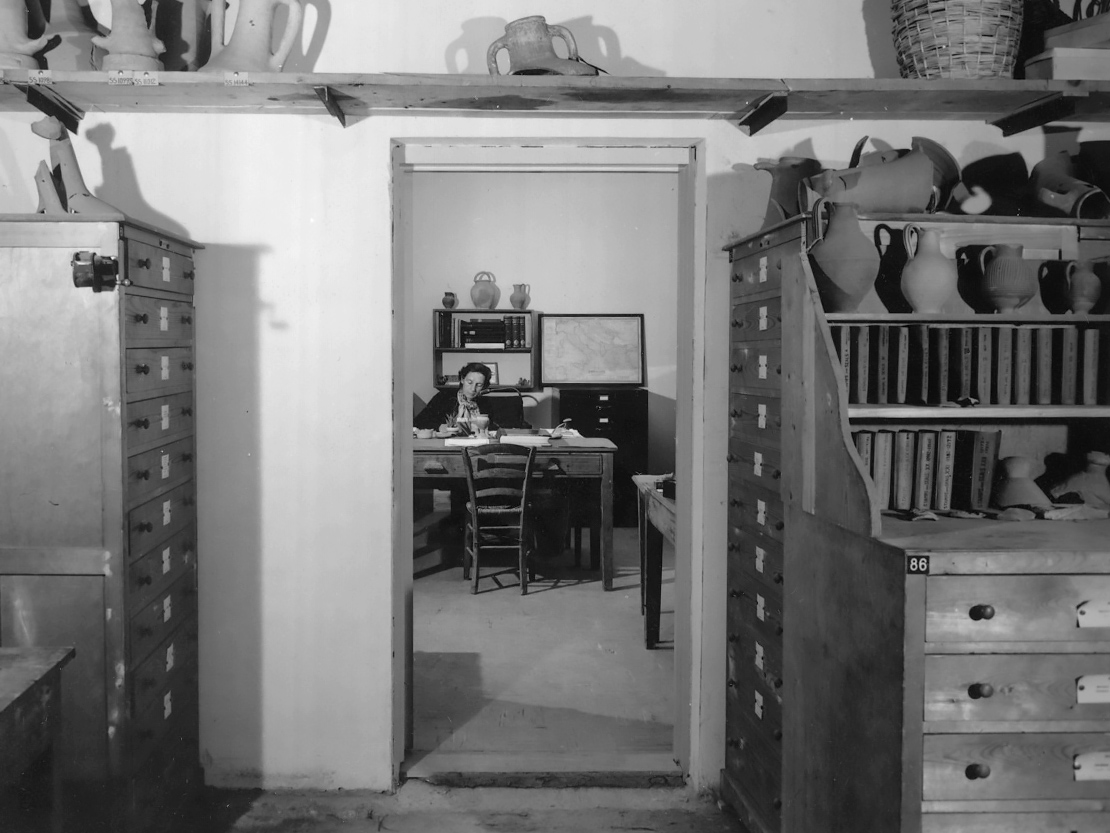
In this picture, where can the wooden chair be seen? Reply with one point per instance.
(498, 478)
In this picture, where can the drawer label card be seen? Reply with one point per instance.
(759, 656)
(167, 608)
(167, 513)
(1092, 688)
(762, 366)
(165, 368)
(761, 416)
(1094, 614)
(763, 269)
(165, 417)
(165, 269)
(169, 658)
(760, 607)
(167, 705)
(763, 321)
(760, 559)
(164, 319)
(165, 466)
(167, 561)
(761, 512)
(757, 464)
(758, 708)
(1091, 766)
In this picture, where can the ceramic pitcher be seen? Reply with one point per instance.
(846, 262)
(1008, 281)
(530, 43)
(520, 297)
(248, 50)
(928, 278)
(16, 49)
(1084, 286)
(130, 44)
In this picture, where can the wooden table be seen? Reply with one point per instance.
(437, 465)
(656, 521)
(30, 717)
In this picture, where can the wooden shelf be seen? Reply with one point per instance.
(750, 103)
(978, 413)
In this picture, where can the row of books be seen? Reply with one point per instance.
(504, 332)
(930, 470)
(995, 364)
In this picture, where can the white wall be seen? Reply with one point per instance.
(295, 333)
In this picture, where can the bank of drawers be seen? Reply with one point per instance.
(447, 465)
(1016, 702)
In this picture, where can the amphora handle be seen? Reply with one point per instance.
(819, 225)
(491, 54)
(992, 251)
(289, 36)
(557, 31)
(911, 236)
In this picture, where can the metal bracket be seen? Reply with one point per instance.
(1053, 107)
(327, 97)
(95, 272)
(763, 112)
(44, 98)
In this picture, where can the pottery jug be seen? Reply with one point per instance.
(787, 175)
(16, 49)
(530, 43)
(1008, 281)
(1016, 486)
(449, 300)
(248, 50)
(74, 27)
(485, 293)
(1090, 484)
(1084, 286)
(928, 278)
(902, 185)
(520, 297)
(130, 44)
(845, 261)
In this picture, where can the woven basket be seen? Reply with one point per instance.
(957, 38)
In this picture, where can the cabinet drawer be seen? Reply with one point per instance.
(158, 519)
(755, 419)
(159, 618)
(753, 754)
(572, 465)
(1017, 687)
(756, 510)
(174, 659)
(437, 465)
(152, 369)
(755, 369)
(162, 566)
(155, 420)
(149, 471)
(157, 268)
(755, 557)
(757, 263)
(757, 464)
(754, 321)
(750, 654)
(1034, 608)
(167, 720)
(1055, 822)
(978, 767)
(170, 775)
(156, 319)
(752, 610)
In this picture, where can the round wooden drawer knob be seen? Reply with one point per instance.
(976, 771)
(978, 691)
(980, 612)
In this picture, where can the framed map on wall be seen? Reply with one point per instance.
(591, 350)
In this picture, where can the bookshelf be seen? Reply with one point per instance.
(503, 339)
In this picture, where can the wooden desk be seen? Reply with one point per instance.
(656, 521)
(439, 466)
(30, 717)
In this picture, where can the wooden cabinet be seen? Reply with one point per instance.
(98, 508)
(891, 673)
(502, 339)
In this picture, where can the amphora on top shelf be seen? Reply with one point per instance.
(249, 49)
(530, 42)
(17, 51)
(845, 260)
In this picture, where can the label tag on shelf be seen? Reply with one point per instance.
(1093, 614)
(1091, 766)
(166, 276)
(1093, 688)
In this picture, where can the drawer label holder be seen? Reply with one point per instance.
(1092, 688)
(1091, 766)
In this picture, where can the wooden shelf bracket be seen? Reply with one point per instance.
(329, 99)
(762, 112)
(1054, 107)
(42, 97)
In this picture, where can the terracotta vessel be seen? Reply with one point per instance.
(1090, 484)
(1016, 486)
(902, 185)
(845, 261)
(16, 49)
(929, 278)
(78, 197)
(520, 297)
(1008, 281)
(530, 42)
(248, 49)
(1055, 185)
(450, 299)
(74, 26)
(787, 175)
(1084, 286)
(130, 44)
(485, 293)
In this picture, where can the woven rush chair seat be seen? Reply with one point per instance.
(498, 481)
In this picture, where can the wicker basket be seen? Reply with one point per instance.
(957, 38)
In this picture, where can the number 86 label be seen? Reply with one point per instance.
(917, 565)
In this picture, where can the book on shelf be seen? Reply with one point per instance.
(940, 364)
(918, 370)
(842, 339)
(1069, 364)
(976, 453)
(883, 366)
(945, 462)
(984, 364)
(901, 347)
(862, 356)
(903, 470)
(1004, 365)
(1089, 388)
(963, 361)
(1023, 365)
(924, 477)
(864, 441)
(1042, 375)
(882, 465)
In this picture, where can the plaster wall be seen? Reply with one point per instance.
(297, 355)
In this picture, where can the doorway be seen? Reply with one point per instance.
(415, 159)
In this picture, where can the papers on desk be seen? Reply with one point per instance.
(526, 439)
(466, 441)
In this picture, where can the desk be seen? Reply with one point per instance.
(30, 716)
(656, 520)
(437, 465)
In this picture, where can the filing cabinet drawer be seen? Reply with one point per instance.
(755, 369)
(175, 763)
(162, 566)
(1034, 766)
(756, 509)
(757, 464)
(437, 465)
(756, 321)
(167, 719)
(1012, 687)
(175, 658)
(751, 608)
(155, 420)
(149, 369)
(156, 620)
(158, 268)
(158, 519)
(756, 419)
(1035, 608)
(756, 772)
(750, 654)
(147, 319)
(149, 471)
(758, 263)
(755, 557)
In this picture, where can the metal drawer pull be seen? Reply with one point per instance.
(978, 691)
(979, 612)
(435, 467)
(186, 412)
(185, 458)
(975, 771)
(189, 274)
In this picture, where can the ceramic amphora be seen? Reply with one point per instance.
(928, 278)
(17, 51)
(902, 185)
(530, 42)
(1008, 281)
(130, 45)
(520, 297)
(1054, 184)
(248, 50)
(845, 261)
(449, 300)
(1084, 286)
(485, 293)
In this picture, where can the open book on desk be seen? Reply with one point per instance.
(466, 441)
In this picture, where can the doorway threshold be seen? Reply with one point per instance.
(532, 770)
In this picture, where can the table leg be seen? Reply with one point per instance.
(641, 523)
(653, 583)
(606, 509)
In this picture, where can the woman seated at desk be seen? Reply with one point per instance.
(454, 409)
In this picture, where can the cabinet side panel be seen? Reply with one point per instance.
(842, 696)
(53, 383)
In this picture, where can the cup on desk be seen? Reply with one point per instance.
(480, 425)
(425, 433)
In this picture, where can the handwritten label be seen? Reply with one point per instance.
(165, 417)
(763, 269)
(757, 464)
(164, 319)
(167, 512)
(167, 608)
(762, 367)
(759, 656)
(1093, 614)
(760, 607)
(167, 705)
(758, 705)
(167, 561)
(1091, 766)
(760, 559)
(165, 466)
(1093, 688)
(165, 269)
(763, 322)
(169, 658)
(761, 512)
(165, 368)
(761, 416)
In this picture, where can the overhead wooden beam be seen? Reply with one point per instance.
(762, 112)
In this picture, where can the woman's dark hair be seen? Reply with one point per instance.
(475, 367)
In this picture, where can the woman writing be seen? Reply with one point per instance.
(454, 410)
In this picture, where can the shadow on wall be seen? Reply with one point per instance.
(878, 25)
(598, 45)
